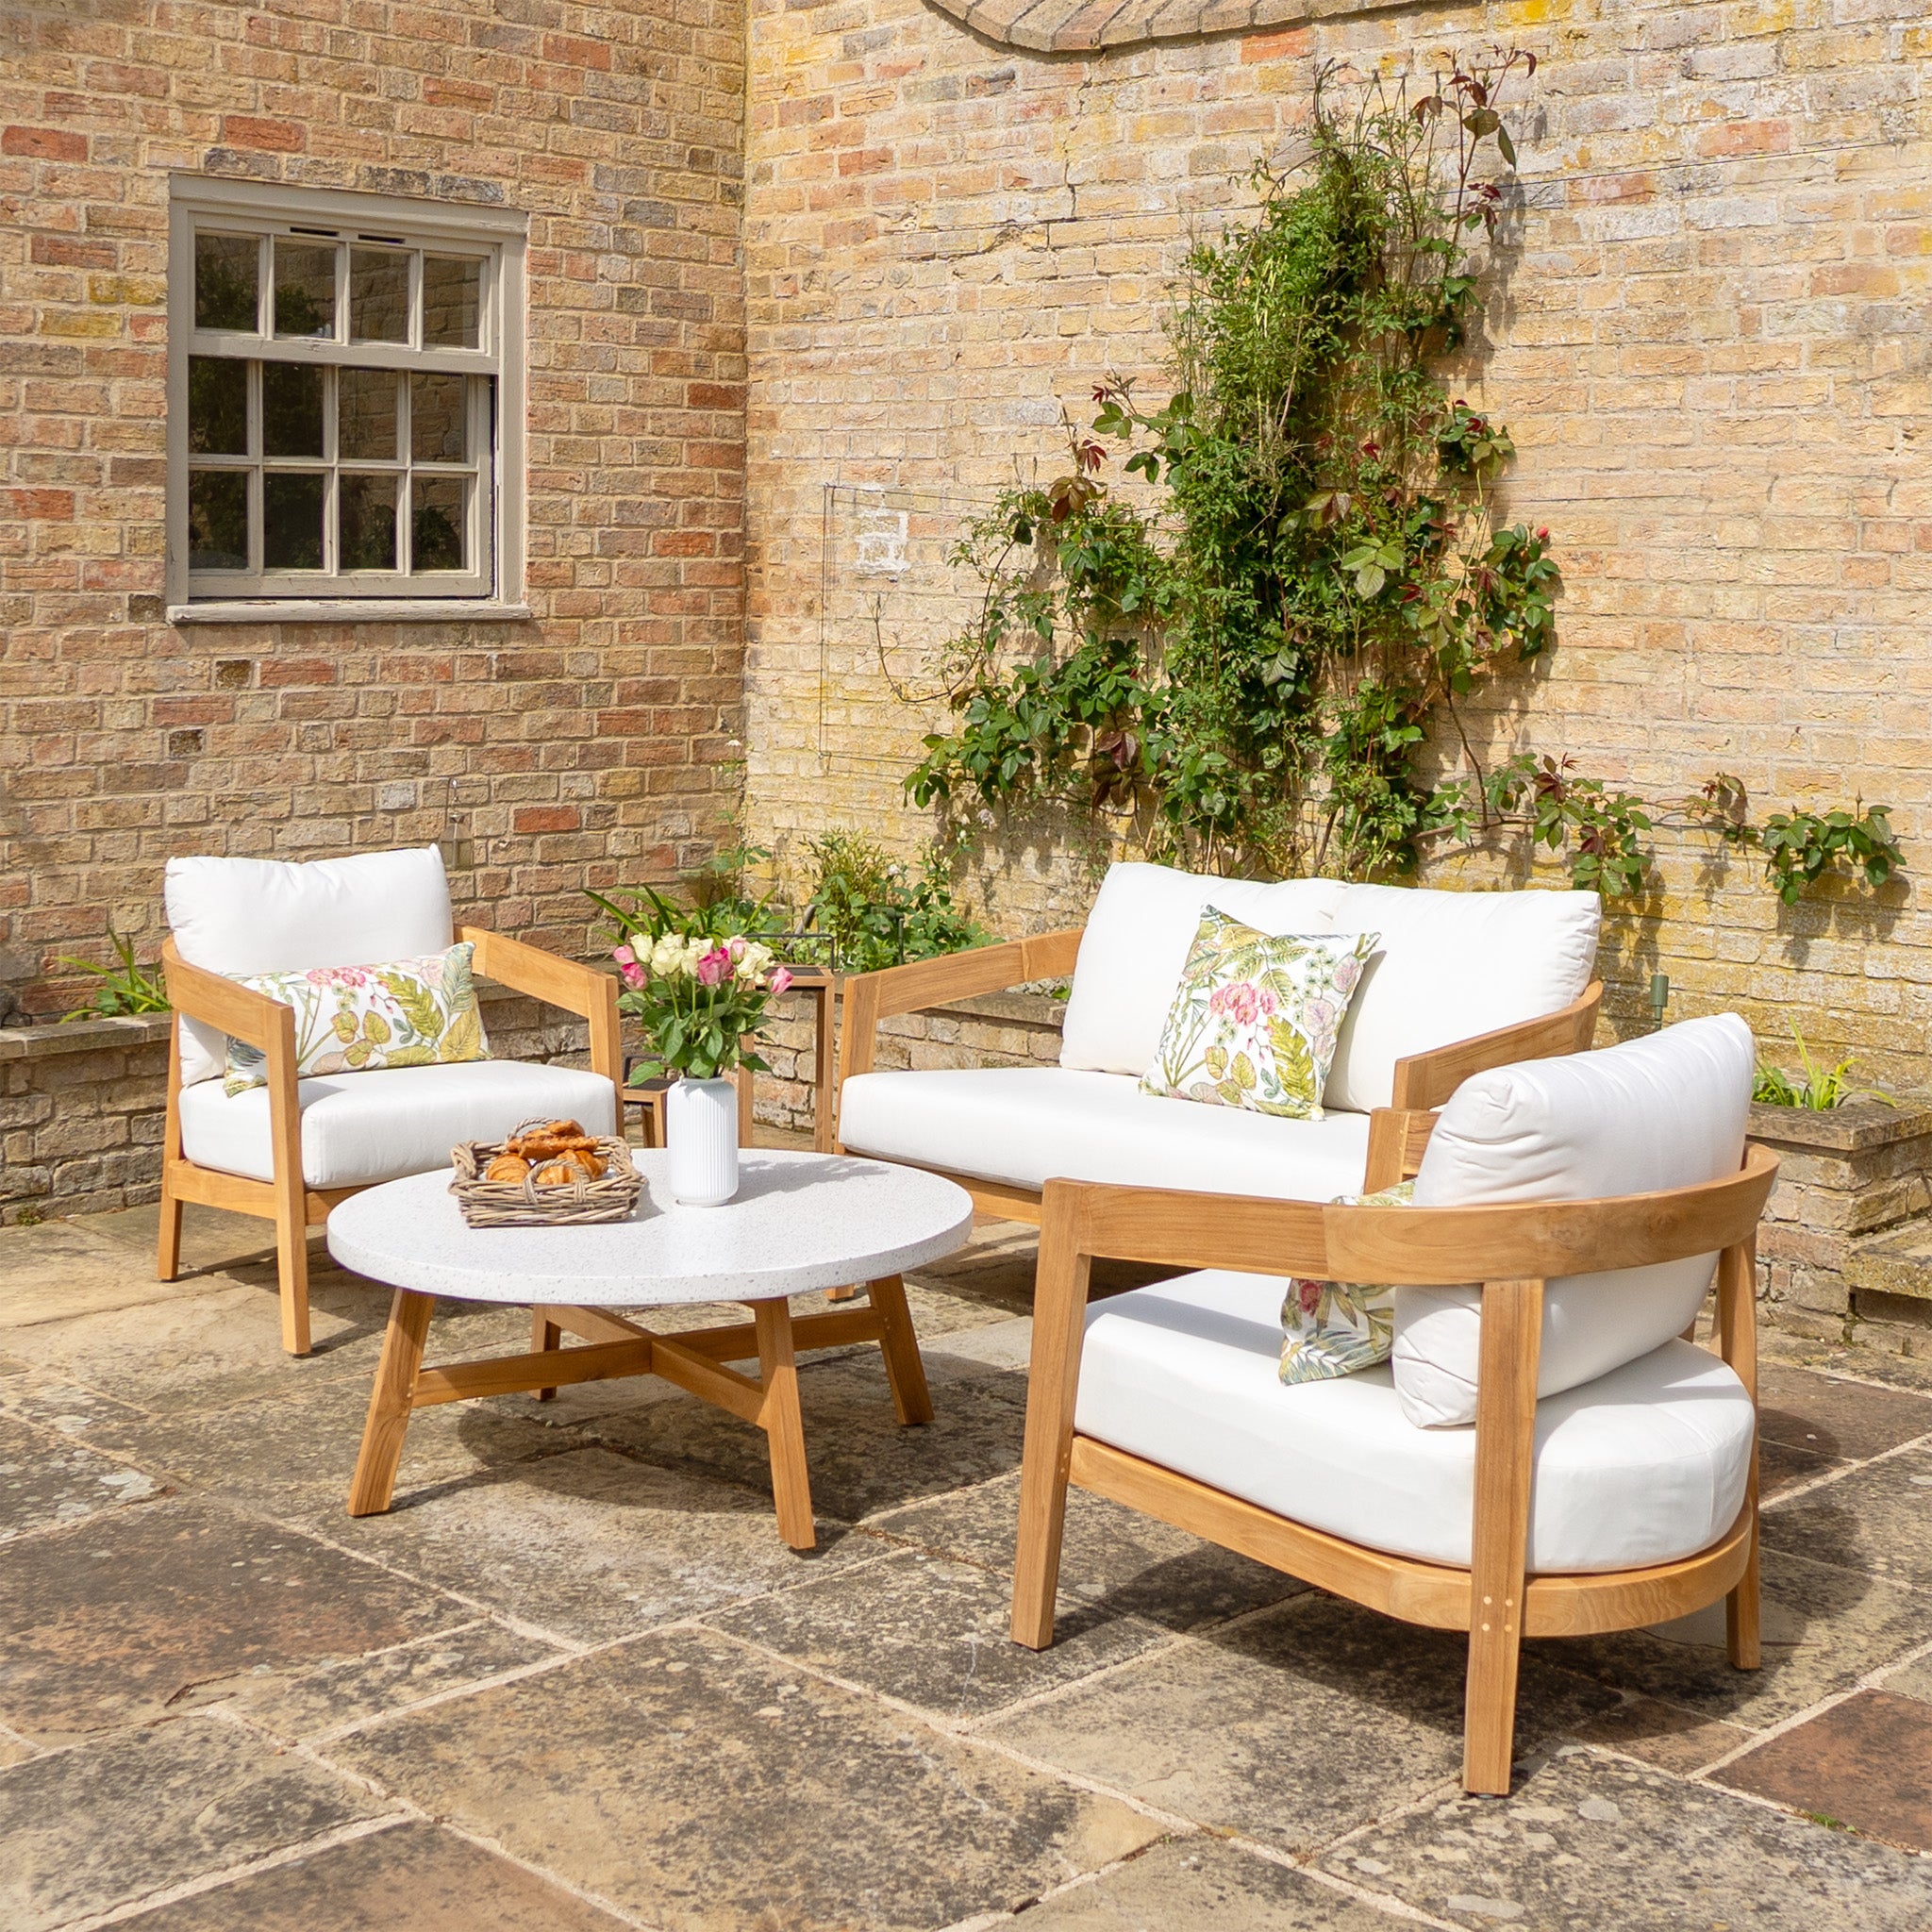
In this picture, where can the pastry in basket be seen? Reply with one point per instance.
(558, 1173)
(550, 1141)
(506, 1167)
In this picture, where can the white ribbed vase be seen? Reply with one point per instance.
(700, 1138)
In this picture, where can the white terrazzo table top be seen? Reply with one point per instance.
(799, 1222)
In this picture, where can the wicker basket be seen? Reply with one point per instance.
(523, 1203)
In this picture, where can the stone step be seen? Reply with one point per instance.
(1897, 1262)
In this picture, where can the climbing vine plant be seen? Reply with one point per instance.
(1252, 674)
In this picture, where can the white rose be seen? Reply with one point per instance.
(667, 956)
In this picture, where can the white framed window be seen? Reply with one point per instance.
(345, 405)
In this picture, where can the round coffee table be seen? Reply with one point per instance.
(799, 1222)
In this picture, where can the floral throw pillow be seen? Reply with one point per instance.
(1255, 1017)
(357, 1019)
(1332, 1328)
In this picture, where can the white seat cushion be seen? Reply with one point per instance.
(1665, 1111)
(1136, 942)
(1641, 1466)
(1026, 1126)
(358, 1128)
(259, 915)
(1451, 965)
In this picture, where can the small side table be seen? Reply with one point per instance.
(821, 985)
(799, 1222)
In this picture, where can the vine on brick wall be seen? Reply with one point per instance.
(1258, 674)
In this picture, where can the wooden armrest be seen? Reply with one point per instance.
(1425, 1080)
(218, 1000)
(586, 991)
(866, 998)
(1187, 1230)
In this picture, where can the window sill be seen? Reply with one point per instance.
(351, 610)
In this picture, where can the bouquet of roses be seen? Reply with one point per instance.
(701, 1000)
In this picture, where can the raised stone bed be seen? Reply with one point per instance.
(1835, 1253)
(81, 1106)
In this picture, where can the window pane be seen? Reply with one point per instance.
(305, 288)
(378, 295)
(218, 520)
(436, 527)
(217, 406)
(436, 418)
(452, 300)
(368, 523)
(291, 410)
(226, 267)
(291, 523)
(366, 415)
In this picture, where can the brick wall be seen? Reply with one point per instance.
(587, 746)
(1710, 342)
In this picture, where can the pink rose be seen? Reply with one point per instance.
(714, 968)
(632, 976)
(782, 979)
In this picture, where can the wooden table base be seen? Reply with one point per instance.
(613, 1347)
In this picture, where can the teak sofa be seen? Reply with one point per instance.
(1459, 982)
(1610, 1479)
(294, 1149)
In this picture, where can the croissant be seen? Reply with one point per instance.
(558, 1173)
(506, 1167)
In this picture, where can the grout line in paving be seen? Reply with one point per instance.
(214, 1881)
(1848, 1467)
(550, 1877)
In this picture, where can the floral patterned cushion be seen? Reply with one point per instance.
(1332, 1328)
(357, 1019)
(1255, 1019)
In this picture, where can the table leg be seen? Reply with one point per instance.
(900, 1347)
(545, 1336)
(783, 1423)
(390, 1403)
(822, 1066)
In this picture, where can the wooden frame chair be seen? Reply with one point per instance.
(1511, 1250)
(287, 1200)
(1398, 1133)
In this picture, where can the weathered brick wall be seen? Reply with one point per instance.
(587, 746)
(1710, 343)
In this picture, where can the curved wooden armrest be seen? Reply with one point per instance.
(218, 1000)
(866, 998)
(586, 991)
(1425, 1080)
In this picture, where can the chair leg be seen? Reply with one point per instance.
(291, 1272)
(545, 1336)
(168, 1253)
(1059, 1308)
(1505, 1466)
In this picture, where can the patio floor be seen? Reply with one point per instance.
(573, 1681)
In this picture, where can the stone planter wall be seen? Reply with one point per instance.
(1837, 1252)
(81, 1106)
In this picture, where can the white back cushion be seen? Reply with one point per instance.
(1664, 1111)
(1136, 943)
(263, 915)
(1451, 965)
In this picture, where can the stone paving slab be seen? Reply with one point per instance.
(414, 1875)
(1290, 1728)
(932, 1633)
(1587, 1841)
(1127, 1564)
(110, 1622)
(1824, 1629)
(595, 1546)
(707, 1788)
(1836, 1417)
(1877, 1518)
(62, 1269)
(148, 1809)
(46, 1480)
(1866, 1763)
(1204, 1885)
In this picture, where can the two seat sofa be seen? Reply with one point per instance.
(1458, 982)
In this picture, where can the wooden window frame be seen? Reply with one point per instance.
(493, 471)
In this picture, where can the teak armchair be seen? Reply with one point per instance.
(1512, 1251)
(287, 1200)
(1398, 1133)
